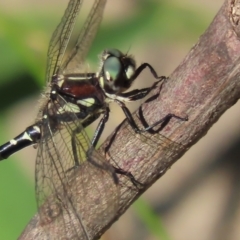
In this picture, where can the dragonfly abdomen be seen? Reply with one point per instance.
(30, 136)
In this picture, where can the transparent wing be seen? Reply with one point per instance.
(85, 38)
(72, 185)
(60, 38)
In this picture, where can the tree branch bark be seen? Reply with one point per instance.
(203, 87)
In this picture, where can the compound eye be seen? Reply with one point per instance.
(112, 52)
(112, 68)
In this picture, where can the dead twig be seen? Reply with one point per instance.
(203, 87)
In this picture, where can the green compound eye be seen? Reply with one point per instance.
(114, 52)
(112, 67)
(118, 71)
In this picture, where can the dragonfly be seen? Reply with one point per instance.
(67, 160)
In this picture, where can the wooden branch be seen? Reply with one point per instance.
(203, 87)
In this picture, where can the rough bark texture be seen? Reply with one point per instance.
(203, 87)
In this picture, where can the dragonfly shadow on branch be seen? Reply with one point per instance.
(141, 143)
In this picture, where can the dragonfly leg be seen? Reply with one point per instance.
(97, 135)
(74, 146)
(100, 128)
(90, 156)
(164, 121)
(138, 94)
(78, 130)
(142, 67)
(135, 182)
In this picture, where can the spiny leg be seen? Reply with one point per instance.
(96, 137)
(138, 94)
(89, 154)
(74, 146)
(133, 124)
(162, 122)
(142, 67)
(129, 175)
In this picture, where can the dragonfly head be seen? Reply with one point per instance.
(117, 71)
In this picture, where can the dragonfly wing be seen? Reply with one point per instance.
(85, 38)
(60, 38)
(72, 186)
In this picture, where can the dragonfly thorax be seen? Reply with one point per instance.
(117, 71)
(75, 96)
(73, 180)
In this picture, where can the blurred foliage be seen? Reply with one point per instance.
(23, 47)
(150, 219)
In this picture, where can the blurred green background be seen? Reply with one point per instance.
(160, 32)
